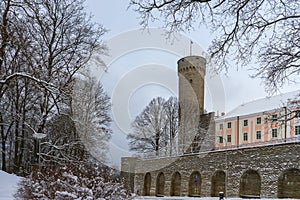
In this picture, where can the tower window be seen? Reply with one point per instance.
(191, 80)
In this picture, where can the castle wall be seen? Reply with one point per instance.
(267, 162)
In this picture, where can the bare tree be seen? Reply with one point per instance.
(171, 109)
(82, 129)
(43, 44)
(155, 128)
(148, 128)
(266, 31)
(90, 112)
(62, 144)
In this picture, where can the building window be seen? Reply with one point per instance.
(245, 122)
(297, 130)
(274, 118)
(229, 138)
(221, 126)
(221, 140)
(191, 81)
(274, 133)
(258, 120)
(245, 136)
(229, 125)
(258, 135)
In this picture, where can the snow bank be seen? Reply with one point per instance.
(8, 185)
(195, 198)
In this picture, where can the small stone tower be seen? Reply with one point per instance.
(191, 72)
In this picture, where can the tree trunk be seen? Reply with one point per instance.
(157, 143)
(3, 144)
(16, 149)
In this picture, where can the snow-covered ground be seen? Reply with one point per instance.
(9, 182)
(8, 185)
(195, 198)
(179, 198)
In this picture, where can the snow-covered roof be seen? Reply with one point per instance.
(262, 105)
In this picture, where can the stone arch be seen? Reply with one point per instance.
(160, 184)
(175, 184)
(147, 184)
(250, 184)
(218, 183)
(195, 184)
(289, 184)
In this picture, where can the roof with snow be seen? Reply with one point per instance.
(262, 105)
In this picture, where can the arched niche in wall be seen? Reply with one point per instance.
(250, 184)
(175, 184)
(218, 183)
(289, 184)
(195, 184)
(160, 184)
(147, 184)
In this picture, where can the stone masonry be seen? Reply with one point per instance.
(271, 163)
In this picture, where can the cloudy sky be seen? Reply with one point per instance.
(142, 65)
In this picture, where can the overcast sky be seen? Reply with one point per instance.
(131, 79)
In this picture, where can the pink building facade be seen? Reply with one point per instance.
(261, 122)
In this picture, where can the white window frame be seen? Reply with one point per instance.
(258, 134)
(273, 132)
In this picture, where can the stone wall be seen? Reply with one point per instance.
(260, 166)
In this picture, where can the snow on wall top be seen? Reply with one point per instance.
(261, 105)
